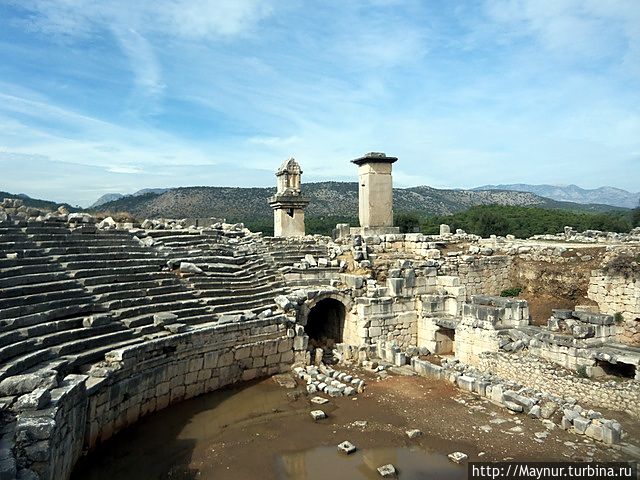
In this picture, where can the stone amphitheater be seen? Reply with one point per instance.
(102, 323)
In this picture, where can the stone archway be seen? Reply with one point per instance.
(325, 321)
(328, 320)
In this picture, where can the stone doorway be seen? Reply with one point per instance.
(325, 323)
(621, 370)
(445, 341)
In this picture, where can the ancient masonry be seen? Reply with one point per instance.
(102, 323)
(288, 204)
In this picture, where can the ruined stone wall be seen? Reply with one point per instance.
(145, 378)
(481, 275)
(140, 379)
(50, 441)
(387, 318)
(536, 373)
(617, 294)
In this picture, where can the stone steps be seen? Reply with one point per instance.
(70, 336)
(94, 250)
(6, 263)
(96, 341)
(37, 288)
(148, 300)
(33, 279)
(70, 293)
(120, 263)
(243, 305)
(209, 259)
(93, 355)
(78, 298)
(123, 287)
(267, 296)
(305, 283)
(85, 242)
(24, 362)
(108, 256)
(114, 271)
(184, 315)
(48, 316)
(29, 269)
(234, 289)
(172, 307)
(210, 283)
(35, 343)
(128, 291)
(39, 329)
(125, 277)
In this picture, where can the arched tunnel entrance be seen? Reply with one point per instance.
(325, 323)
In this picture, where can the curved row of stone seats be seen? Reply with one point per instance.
(286, 251)
(128, 279)
(236, 278)
(42, 309)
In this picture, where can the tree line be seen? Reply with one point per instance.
(482, 220)
(522, 222)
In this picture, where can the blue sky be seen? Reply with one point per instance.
(115, 96)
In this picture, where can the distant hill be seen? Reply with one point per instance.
(36, 203)
(327, 199)
(110, 197)
(572, 193)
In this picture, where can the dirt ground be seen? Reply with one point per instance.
(261, 430)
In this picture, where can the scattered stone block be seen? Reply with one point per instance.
(35, 400)
(458, 457)
(188, 267)
(535, 411)
(164, 318)
(387, 471)
(285, 380)
(548, 408)
(514, 407)
(319, 400)
(524, 402)
(415, 433)
(348, 391)
(334, 391)
(466, 383)
(595, 431)
(176, 328)
(347, 447)
(580, 424)
(318, 415)
(610, 435)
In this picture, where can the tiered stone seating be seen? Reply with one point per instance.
(236, 278)
(42, 307)
(129, 280)
(287, 251)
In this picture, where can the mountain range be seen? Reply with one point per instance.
(238, 204)
(110, 197)
(572, 193)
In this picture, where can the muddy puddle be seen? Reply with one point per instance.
(411, 463)
(264, 431)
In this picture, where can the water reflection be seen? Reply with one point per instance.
(326, 462)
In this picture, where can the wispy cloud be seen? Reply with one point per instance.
(125, 95)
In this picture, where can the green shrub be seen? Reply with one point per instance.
(524, 222)
(582, 371)
(511, 292)
(618, 318)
